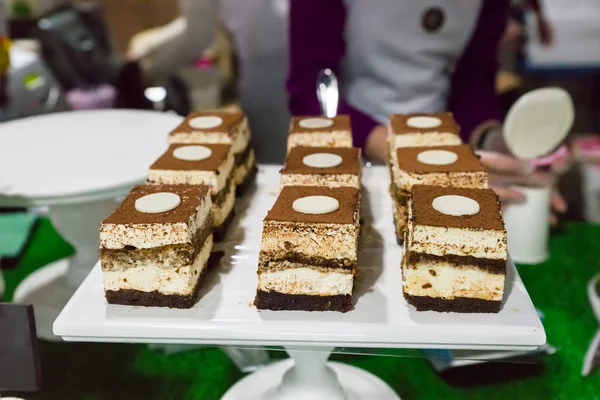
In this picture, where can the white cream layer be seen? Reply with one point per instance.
(332, 241)
(406, 180)
(148, 278)
(241, 138)
(448, 282)
(222, 212)
(306, 281)
(328, 180)
(425, 139)
(215, 179)
(145, 236)
(439, 240)
(320, 139)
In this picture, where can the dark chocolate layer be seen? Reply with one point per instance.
(168, 256)
(168, 162)
(399, 124)
(467, 160)
(219, 198)
(130, 297)
(485, 264)
(242, 157)
(340, 123)
(241, 189)
(191, 198)
(458, 305)
(351, 161)
(220, 231)
(302, 302)
(299, 258)
(488, 217)
(347, 213)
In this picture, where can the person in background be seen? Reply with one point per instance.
(258, 29)
(515, 32)
(403, 57)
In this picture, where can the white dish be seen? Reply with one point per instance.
(538, 122)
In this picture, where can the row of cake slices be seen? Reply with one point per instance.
(155, 248)
(309, 248)
(454, 238)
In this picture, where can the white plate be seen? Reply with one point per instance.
(225, 314)
(538, 122)
(79, 152)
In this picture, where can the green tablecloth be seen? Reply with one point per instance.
(83, 371)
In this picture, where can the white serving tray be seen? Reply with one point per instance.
(381, 318)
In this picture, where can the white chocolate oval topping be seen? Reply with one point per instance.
(322, 160)
(207, 122)
(192, 153)
(455, 205)
(437, 157)
(423, 122)
(315, 123)
(315, 205)
(157, 202)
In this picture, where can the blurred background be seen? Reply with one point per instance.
(177, 57)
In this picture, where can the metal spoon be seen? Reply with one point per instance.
(327, 92)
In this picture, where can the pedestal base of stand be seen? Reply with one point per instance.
(48, 290)
(264, 384)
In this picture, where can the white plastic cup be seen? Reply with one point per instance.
(527, 226)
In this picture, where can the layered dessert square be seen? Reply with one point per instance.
(320, 132)
(322, 166)
(417, 130)
(308, 254)
(155, 247)
(449, 166)
(407, 130)
(455, 250)
(206, 164)
(227, 127)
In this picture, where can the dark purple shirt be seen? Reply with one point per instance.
(317, 42)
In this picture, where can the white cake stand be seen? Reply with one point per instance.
(225, 314)
(77, 164)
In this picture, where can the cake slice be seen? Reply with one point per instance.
(155, 247)
(449, 166)
(408, 130)
(322, 166)
(418, 130)
(308, 254)
(227, 127)
(455, 251)
(320, 132)
(207, 164)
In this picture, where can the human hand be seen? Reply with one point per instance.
(513, 36)
(544, 31)
(505, 172)
(376, 147)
